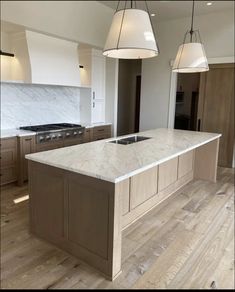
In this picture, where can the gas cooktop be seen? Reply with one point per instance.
(50, 127)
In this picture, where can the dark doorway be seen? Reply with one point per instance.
(186, 108)
(129, 85)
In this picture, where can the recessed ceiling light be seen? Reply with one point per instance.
(209, 3)
(152, 14)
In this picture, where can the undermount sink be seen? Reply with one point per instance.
(129, 140)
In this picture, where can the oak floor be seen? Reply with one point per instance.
(185, 242)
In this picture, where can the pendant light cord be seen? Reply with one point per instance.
(191, 31)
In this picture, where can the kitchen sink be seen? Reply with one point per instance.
(129, 140)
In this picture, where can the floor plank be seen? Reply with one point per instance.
(185, 242)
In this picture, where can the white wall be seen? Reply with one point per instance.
(82, 21)
(217, 32)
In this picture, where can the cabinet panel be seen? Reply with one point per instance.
(124, 190)
(97, 112)
(8, 143)
(185, 163)
(89, 208)
(8, 160)
(143, 187)
(88, 135)
(49, 217)
(167, 173)
(26, 146)
(8, 157)
(8, 175)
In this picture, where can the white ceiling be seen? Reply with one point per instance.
(166, 10)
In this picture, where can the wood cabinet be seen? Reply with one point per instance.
(185, 163)
(101, 132)
(8, 158)
(14, 166)
(167, 173)
(143, 187)
(88, 135)
(26, 145)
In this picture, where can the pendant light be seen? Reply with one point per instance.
(131, 35)
(191, 55)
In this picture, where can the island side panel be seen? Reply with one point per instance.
(79, 214)
(206, 161)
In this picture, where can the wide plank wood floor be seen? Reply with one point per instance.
(186, 242)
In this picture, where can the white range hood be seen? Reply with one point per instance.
(42, 59)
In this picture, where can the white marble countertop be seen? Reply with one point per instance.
(114, 162)
(8, 133)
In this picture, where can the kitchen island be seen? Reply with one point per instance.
(83, 196)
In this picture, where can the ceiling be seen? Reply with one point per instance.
(166, 10)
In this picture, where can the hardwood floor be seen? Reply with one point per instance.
(186, 242)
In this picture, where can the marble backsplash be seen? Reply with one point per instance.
(28, 104)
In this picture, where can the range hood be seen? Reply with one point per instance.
(43, 59)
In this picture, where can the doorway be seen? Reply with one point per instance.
(186, 105)
(129, 86)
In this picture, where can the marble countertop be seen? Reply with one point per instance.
(8, 133)
(114, 162)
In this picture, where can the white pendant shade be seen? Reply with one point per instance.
(190, 58)
(131, 36)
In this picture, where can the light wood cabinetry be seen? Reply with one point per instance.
(101, 132)
(26, 145)
(167, 173)
(185, 163)
(90, 213)
(8, 169)
(143, 187)
(88, 135)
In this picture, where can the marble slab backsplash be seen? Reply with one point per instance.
(30, 104)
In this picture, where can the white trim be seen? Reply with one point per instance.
(171, 109)
(171, 117)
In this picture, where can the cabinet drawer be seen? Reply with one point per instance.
(185, 163)
(8, 157)
(102, 129)
(143, 187)
(8, 143)
(167, 173)
(8, 174)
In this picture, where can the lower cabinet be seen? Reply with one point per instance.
(8, 160)
(143, 187)
(26, 145)
(167, 173)
(144, 191)
(186, 163)
(14, 166)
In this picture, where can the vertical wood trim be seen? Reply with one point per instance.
(206, 161)
(115, 231)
